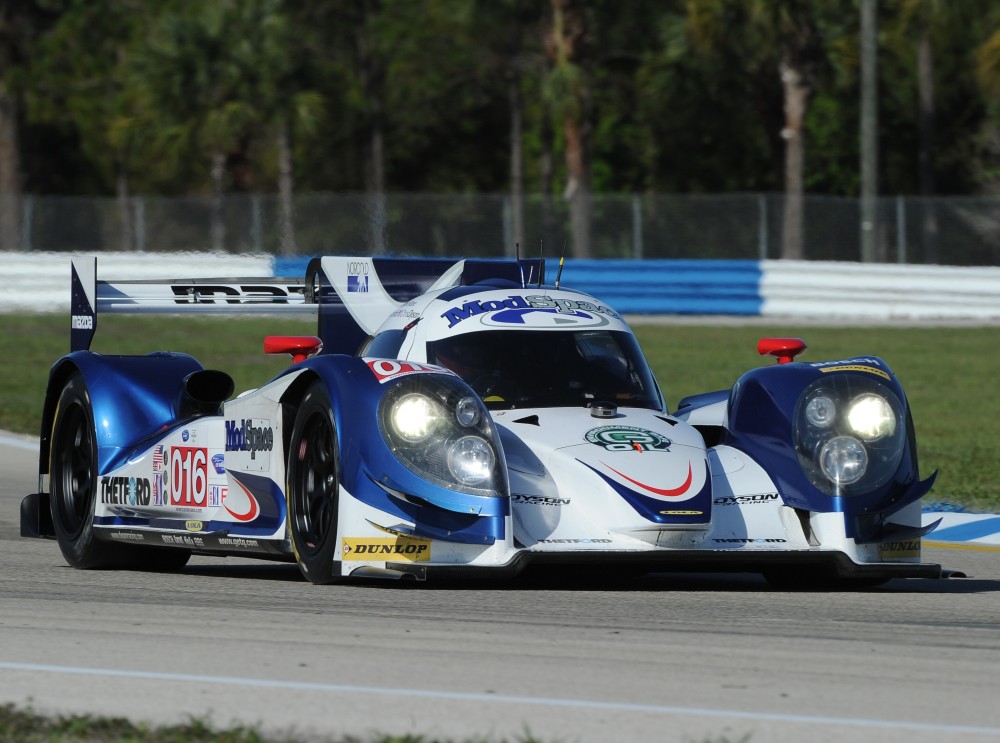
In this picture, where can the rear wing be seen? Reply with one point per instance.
(89, 297)
(352, 296)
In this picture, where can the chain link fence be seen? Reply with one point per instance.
(961, 231)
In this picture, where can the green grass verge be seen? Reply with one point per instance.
(26, 726)
(945, 372)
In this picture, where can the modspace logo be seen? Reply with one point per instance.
(518, 306)
(249, 435)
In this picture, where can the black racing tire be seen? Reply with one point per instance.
(313, 486)
(73, 481)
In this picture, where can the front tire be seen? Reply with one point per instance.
(313, 485)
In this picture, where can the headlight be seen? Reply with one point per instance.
(871, 417)
(442, 433)
(849, 433)
(471, 460)
(414, 416)
(843, 460)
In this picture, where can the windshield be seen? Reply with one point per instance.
(545, 369)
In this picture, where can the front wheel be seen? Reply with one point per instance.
(313, 487)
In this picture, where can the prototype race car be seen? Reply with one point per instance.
(460, 418)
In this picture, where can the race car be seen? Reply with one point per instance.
(461, 418)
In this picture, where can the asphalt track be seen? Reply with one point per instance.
(666, 658)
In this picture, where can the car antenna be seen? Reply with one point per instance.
(562, 259)
(541, 261)
(517, 257)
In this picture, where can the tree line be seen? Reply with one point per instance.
(563, 98)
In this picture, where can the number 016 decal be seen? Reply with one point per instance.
(188, 476)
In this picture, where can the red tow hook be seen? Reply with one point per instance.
(783, 349)
(301, 347)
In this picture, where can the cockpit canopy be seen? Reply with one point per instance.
(544, 369)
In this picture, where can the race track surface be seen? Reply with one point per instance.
(665, 658)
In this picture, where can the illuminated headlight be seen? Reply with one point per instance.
(471, 460)
(871, 417)
(414, 416)
(843, 460)
(441, 432)
(849, 433)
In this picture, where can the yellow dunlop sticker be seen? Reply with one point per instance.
(386, 548)
(855, 367)
(899, 550)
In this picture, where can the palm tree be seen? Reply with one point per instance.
(568, 95)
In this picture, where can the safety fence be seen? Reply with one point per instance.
(958, 231)
(850, 292)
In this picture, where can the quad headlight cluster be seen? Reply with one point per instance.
(849, 434)
(442, 432)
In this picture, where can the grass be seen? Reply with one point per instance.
(945, 371)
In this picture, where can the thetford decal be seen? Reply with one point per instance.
(386, 370)
(126, 491)
(627, 438)
(676, 492)
(515, 310)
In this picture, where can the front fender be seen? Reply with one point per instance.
(761, 412)
(133, 397)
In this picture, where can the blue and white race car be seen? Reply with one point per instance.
(466, 418)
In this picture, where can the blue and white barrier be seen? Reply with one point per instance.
(39, 282)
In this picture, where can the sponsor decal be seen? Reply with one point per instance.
(194, 525)
(186, 477)
(627, 438)
(538, 500)
(216, 495)
(82, 322)
(682, 513)
(182, 539)
(253, 435)
(574, 541)
(663, 492)
(126, 536)
(238, 542)
(857, 368)
(899, 550)
(357, 276)
(409, 549)
(860, 364)
(185, 435)
(219, 462)
(747, 540)
(743, 500)
(386, 370)
(512, 309)
(126, 491)
(233, 293)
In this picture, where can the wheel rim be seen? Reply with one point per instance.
(315, 484)
(74, 474)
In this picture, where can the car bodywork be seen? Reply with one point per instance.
(461, 418)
